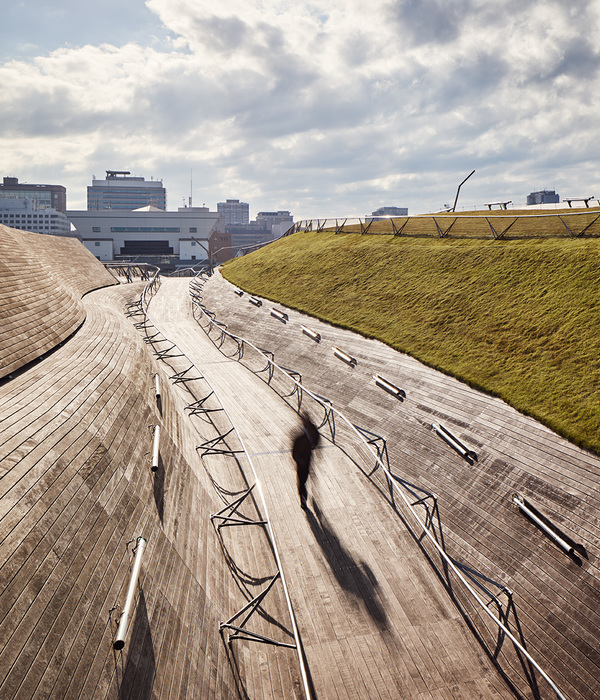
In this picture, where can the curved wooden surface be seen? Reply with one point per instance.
(42, 280)
(75, 488)
(557, 595)
(374, 619)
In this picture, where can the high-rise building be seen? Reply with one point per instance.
(120, 191)
(234, 212)
(47, 196)
(543, 197)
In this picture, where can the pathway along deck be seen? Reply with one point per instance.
(557, 596)
(374, 619)
(75, 488)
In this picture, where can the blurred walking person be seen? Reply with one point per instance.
(303, 445)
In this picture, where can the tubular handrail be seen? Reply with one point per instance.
(448, 561)
(271, 534)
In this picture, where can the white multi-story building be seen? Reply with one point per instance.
(27, 214)
(148, 231)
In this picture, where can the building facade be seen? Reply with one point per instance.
(120, 191)
(234, 212)
(220, 247)
(543, 197)
(26, 214)
(387, 212)
(176, 236)
(47, 196)
(268, 219)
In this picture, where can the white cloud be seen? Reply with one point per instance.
(328, 105)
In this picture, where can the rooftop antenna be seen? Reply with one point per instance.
(191, 187)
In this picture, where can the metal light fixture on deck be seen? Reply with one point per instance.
(155, 448)
(341, 355)
(389, 387)
(519, 501)
(454, 442)
(311, 334)
(280, 315)
(119, 642)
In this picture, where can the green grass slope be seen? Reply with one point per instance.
(516, 318)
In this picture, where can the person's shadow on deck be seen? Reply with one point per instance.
(354, 577)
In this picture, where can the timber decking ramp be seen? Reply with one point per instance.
(374, 619)
(76, 490)
(75, 487)
(557, 595)
(42, 280)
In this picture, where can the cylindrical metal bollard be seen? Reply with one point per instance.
(119, 642)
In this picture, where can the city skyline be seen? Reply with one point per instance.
(322, 109)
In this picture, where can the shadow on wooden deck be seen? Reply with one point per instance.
(138, 677)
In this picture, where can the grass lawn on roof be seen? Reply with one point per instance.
(517, 318)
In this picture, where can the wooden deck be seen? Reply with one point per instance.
(557, 596)
(75, 489)
(375, 620)
(42, 280)
(376, 613)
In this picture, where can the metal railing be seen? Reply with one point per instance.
(130, 270)
(573, 224)
(220, 445)
(369, 452)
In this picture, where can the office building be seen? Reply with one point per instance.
(121, 191)
(268, 219)
(543, 197)
(275, 222)
(387, 213)
(26, 214)
(234, 212)
(47, 196)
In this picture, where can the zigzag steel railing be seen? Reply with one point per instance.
(330, 414)
(443, 223)
(141, 307)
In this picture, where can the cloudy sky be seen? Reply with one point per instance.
(322, 107)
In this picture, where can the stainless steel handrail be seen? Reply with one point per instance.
(340, 224)
(447, 560)
(296, 633)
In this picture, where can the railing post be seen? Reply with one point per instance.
(119, 642)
